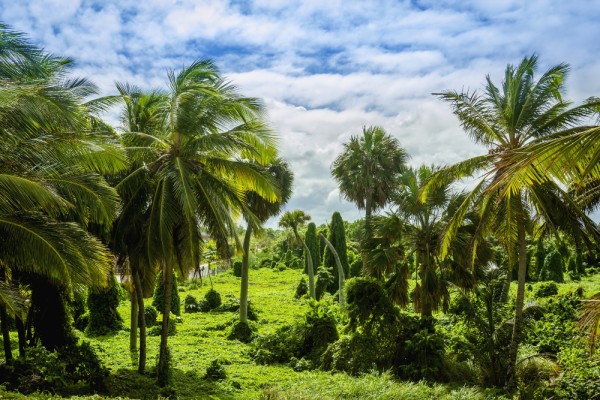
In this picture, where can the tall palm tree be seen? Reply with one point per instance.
(262, 209)
(294, 219)
(523, 111)
(367, 170)
(193, 171)
(53, 150)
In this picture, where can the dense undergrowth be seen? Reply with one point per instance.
(207, 364)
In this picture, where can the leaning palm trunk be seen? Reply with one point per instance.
(340, 268)
(311, 273)
(163, 362)
(518, 321)
(245, 276)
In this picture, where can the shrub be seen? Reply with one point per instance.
(356, 268)
(242, 331)
(190, 304)
(546, 289)
(354, 354)
(553, 268)
(579, 379)
(102, 305)
(237, 269)
(157, 300)
(156, 329)
(212, 299)
(48, 371)
(215, 371)
(555, 330)
(324, 280)
(150, 315)
(301, 289)
(368, 306)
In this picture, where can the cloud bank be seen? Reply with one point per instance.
(326, 68)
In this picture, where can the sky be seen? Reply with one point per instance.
(326, 68)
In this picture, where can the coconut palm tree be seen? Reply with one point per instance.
(523, 111)
(262, 209)
(367, 170)
(292, 220)
(53, 150)
(193, 171)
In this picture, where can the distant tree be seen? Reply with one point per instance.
(337, 237)
(294, 219)
(312, 242)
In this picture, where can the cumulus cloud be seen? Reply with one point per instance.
(325, 68)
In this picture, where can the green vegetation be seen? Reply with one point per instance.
(429, 309)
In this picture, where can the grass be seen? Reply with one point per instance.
(202, 337)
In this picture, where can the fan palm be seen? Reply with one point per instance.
(523, 111)
(367, 170)
(294, 219)
(193, 169)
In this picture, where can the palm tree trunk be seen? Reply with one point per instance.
(5, 333)
(368, 212)
(311, 273)
(137, 283)
(518, 321)
(22, 337)
(133, 322)
(338, 262)
(163, 363)
(245, 277)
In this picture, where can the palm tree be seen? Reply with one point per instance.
(367, 170)
(193, 170)
(262, 209)
(54, 150)
(522, 112)
(416, 226)
(294, 219)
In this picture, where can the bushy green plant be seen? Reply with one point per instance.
(301, 289)
(421, 356)
(150, 315)
(102, 305)
(82, 322)
(553, 268)
(212, 299)
(581, 374)
(52, 372)
(157, 300)
(354, 354)
(546, 289)
(215, 371)
(237, 269)
(556, 329)
(337, 237)
(324, 280)
(368, 306)
(190, 304)
(157, 329)
(356, 268)
(242, 331)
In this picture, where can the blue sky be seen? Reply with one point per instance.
(326, 68)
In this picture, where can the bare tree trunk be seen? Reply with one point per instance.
(342, 278)
(163, 364)
(137, 283)
(245, 275)
(311, 272)
(133, 322)
(518, 321)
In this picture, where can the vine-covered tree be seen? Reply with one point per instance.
(312, 242)
(337, 237)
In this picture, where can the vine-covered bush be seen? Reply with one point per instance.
(215, 371)
(237, 269)
(157, 300)
(324, 280)
(212, 299)
(102, 304)
(242, 331)
(546, 289)
(190, 304)
(157, 329)
(553, 268)
(301, 289)
(150, 315)
(581, 374)
(53, 371)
